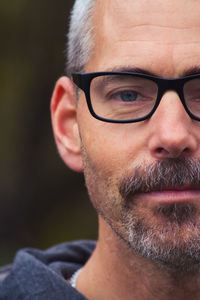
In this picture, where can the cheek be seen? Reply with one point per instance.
(111, 148)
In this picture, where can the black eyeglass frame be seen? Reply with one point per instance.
(83, 81)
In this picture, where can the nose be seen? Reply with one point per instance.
(171, 129)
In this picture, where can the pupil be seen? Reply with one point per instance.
(128, 96)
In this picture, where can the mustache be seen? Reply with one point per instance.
(161, 175)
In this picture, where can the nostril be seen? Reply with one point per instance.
(172, 152)
(186, 150)
(161, 150)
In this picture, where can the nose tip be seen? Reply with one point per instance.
(172, 145)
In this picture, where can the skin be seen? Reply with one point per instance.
(162, 37)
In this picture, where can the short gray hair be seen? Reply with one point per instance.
(80, 39)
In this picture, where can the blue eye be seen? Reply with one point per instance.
(128, 96)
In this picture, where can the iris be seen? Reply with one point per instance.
(128, 96)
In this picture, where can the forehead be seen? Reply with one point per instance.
(148, 34)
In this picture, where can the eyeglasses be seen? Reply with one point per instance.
(123, 97)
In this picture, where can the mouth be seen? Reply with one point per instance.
(176, 194)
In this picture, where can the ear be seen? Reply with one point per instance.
(65, 127)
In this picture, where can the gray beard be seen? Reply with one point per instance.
(164, 243)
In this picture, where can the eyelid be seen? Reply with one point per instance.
(120, 90)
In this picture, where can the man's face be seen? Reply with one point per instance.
(143, 178)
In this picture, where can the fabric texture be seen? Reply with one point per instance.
(42, 275)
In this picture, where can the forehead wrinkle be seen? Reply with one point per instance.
(153, 18)
(186, 11)
(162, 61)
(166, 26)
(154, 15)
(150, 34)
(167, 43)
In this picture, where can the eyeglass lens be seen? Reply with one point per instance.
(192, 96)
(125, 97)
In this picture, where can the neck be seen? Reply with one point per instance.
(115, 271)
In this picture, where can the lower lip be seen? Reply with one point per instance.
(170, 196)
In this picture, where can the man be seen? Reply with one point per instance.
(128, 117)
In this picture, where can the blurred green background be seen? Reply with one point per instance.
(42, 202)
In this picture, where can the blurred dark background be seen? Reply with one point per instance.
(42, 202)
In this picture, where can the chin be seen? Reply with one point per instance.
(169, 237)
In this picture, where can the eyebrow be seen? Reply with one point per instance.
(130, 70)
(192, 71)
(187, 72)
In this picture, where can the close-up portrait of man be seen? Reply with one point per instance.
(127, 115)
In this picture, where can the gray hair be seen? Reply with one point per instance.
(80, 39)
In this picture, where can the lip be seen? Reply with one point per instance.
(177, 194)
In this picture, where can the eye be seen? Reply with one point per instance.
(128, 96)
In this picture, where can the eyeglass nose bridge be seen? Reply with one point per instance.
(176, 85)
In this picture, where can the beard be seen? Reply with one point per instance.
(166, 234)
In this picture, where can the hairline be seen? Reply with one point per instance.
(80, 36)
